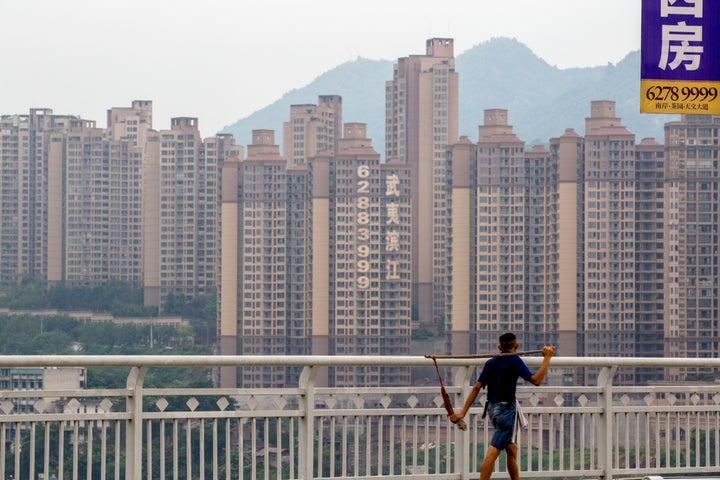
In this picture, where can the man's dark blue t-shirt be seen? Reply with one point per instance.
(500, 376)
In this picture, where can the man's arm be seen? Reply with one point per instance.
(468, 403)
(537, 377)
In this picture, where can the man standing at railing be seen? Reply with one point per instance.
(500, 375)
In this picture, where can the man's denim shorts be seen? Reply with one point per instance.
(502, 415)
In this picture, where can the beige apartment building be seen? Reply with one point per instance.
(651, 235)
(31, 172)
(100, 226)
(256, 274)
(40, 379)
(319, 256)
(130, 123)
(262, 243)
(597, 244)
(14, 198)
(84, 205)
(504, 243)
(609, 245)
(568, 149)
(64, 189)
(691, 248)
(369, 260)
(542, 246)
(173, 161)
(421, 120)
(312, 129)
(181, 184)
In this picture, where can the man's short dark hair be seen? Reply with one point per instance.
(507, 341)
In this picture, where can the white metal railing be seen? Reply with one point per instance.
(311, 432)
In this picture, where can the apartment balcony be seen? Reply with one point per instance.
(308, 431)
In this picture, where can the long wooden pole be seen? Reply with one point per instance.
(447, 402)
(485, 355)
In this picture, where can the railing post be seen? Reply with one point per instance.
(306, 423)
(605, 429)
(462, 445)
(133, 435)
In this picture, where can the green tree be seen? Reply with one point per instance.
(201, 311)
(50, 343)
(28, 295)
(119, 299)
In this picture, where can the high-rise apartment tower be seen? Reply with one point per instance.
(421, 120)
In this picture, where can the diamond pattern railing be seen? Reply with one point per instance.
(312, 431)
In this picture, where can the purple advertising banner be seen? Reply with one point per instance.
(680, 56)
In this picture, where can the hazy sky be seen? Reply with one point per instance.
(221, 60)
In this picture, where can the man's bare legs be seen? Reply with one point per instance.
(489, 462)
(512, 465)
(491, 456)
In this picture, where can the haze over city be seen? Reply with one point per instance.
(599, 242)
(220, 60)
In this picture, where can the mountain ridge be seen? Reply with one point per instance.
(542, 100)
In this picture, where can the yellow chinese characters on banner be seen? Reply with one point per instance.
(674, 96)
